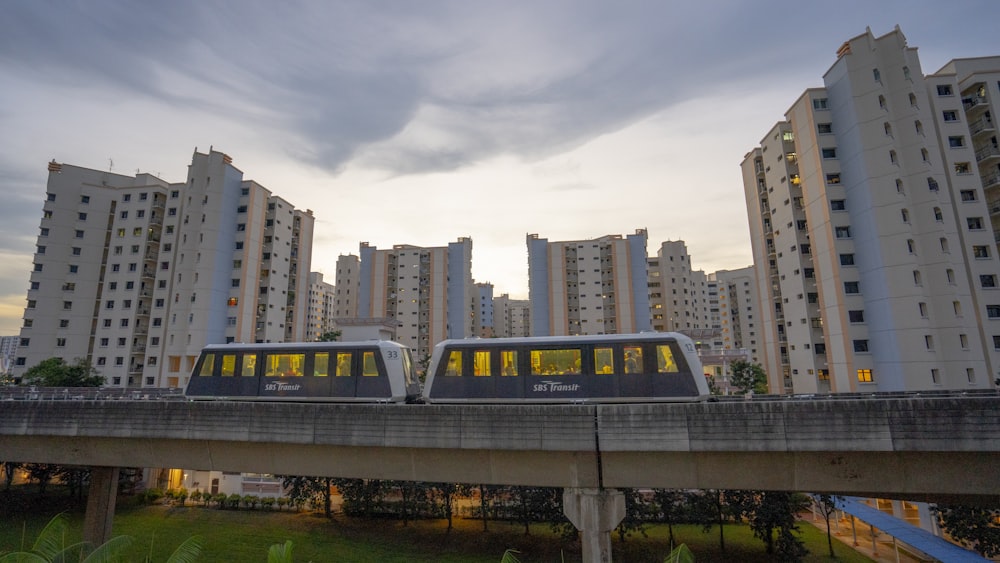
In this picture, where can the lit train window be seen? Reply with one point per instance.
(284, 365)
(481, 363)
(665, 359)
(206, 365)
(228, 365)
(555, 362)
(508, 359)
(604, 361)
(320, 363)
(633, 359)
(343, 364)
(249, 368)
(369, 368)
(454, 363)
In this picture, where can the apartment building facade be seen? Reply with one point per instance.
(596, 286)
(320, 319)
(875, 266)
(136, 275)
(511, 317)
(429, 291)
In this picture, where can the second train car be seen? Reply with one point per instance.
(373, 371)
(645, 367)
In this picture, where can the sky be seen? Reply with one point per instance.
(422, 122)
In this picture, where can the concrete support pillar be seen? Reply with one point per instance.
(100, 505)
(595, 512)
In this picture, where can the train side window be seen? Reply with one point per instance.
(249, 368)
(206, 365)
(508, 359)
(284, 365)
(481, 363)
(369, 368)
(665, 359)
(228, 365)
(454, 367)
(555, 362)
(343, 364)
(604, 361)
(633, 359)
(321, 362)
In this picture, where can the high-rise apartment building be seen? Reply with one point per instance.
(320, 319)
(348, 283)
(483, 322)
(428, 290)
(136, 274)
(511, 317)
(737, 304)
(596, 286)
(679, 296)
(874, 263)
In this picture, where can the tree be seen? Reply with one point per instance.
(302, 490)
(827, 505)
(669, 508)
(636, 514)
(55, 372)
(42, 473)
(972, 526)
(709, 508)
(747, 377)
(329, 336)
(9, 470)
(770, 513)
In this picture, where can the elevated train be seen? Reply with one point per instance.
(647, 367)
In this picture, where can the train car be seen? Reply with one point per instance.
(373, 371)
(568, 369)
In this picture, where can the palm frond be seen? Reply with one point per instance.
(109, 551)
(508, 556)
(280, 553)
(187, 552)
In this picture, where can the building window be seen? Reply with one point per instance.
(847, 259)
(944, 90)
(950, 115)
(993, 311)
(981, 252)
(970, 374)
(919, 127)
(963, 341)
(833, 178)
(988, 281)
(860, 345)
(856, 316)
(968, 195)
(975, 223)
(917, 279)
(837, 205)
(905, 215)
(865, 376)
(81, 216)
(824, 128)
(956, 141)
(928, 342)
(938, 216)
(820, 103)
(893, 158)
(911, 246)
(922, 309)
(842, 232)
(963, 168)
(67, 305)
(829, 152)
(851, 287)
(876, 75)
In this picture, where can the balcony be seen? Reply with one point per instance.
(974, 102)
(986, 153)
(981, 125)
(989, 181)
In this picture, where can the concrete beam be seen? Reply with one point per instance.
(595, 513)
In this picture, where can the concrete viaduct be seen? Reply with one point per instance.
(914, 448)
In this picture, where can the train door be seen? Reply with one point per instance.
(634, 380)
(373, 383)
(344, 380)
(602, 372)
(509, 381)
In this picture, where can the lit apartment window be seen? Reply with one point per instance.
(865, 376)
(833, 178)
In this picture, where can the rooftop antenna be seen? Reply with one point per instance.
(111, 164)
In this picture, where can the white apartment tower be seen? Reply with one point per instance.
(737, 304)
(321, 307)
(511, 317)
(870, 248)
(428, 290)
(136, 274)
(483, 322)
(594, 286)
(348, 280)
(679, 296)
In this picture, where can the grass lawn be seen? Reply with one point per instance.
(242, 535)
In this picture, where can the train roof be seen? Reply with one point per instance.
(236, 346)
(577, 339)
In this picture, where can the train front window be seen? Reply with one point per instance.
(508, 359)
(321, 361)
(665, 359)
(284, 365)
(207, 363)
(408, 371)
(555, 362)
(481, 363)
(604, 361)
(369, 369)
(228, 365)
(633, 359)
(454, 365)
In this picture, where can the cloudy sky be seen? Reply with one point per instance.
(421, 122)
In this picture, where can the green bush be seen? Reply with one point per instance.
(267, 503)
(250, 501)
(233, 501)
(152, 496)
